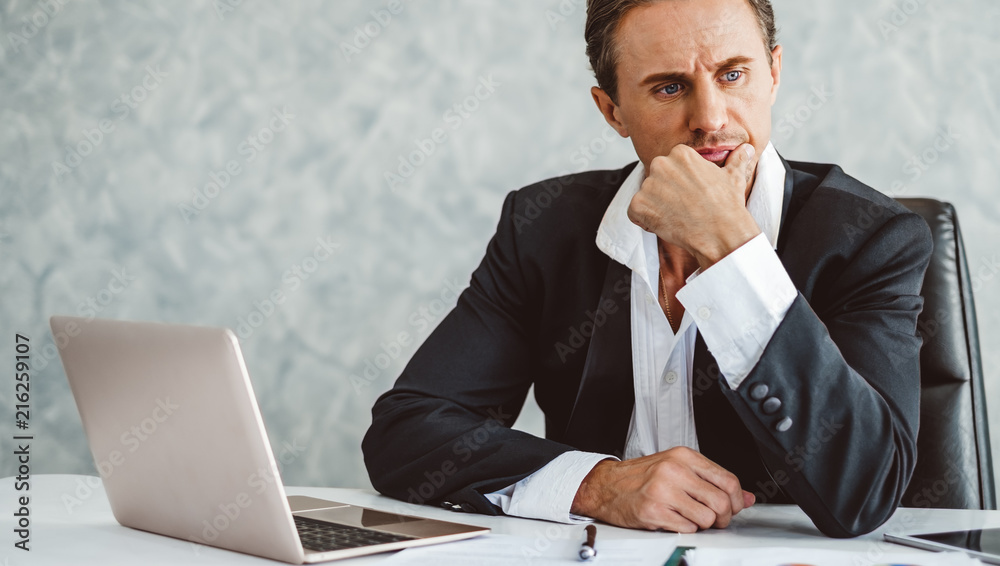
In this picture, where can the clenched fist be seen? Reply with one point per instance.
(696, 205)
(676, 490)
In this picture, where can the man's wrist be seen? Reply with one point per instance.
(588, 496)
(711, 252)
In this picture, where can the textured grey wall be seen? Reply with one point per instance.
(117, 118)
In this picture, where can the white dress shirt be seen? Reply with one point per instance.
(736, 304)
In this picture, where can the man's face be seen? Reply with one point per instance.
(693, 72)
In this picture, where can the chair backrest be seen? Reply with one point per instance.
(954, 466)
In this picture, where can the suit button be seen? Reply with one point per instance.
(771, 406)
(784, 424)
(670, 377)
(759, 391)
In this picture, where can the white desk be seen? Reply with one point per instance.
(63, 532)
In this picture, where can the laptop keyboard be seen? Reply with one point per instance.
(322, 536)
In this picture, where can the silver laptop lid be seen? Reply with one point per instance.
(161, 406)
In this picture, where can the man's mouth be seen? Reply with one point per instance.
(717, 155)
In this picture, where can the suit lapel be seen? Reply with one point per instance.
(786, 203)
(606, 396)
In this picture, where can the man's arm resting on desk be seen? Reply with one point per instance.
(845, 383)
(548, 493)
(833, 401)
(442, 434)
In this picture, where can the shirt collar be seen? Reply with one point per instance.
(622, 241)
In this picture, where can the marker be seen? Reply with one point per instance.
(587, 550)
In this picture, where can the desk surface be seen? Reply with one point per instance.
(71, 523)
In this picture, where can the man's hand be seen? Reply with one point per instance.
(692, 203)
(676, 490)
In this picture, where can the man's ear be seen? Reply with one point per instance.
(610, 110)
(775, 72)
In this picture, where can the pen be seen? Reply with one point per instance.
(587, 550)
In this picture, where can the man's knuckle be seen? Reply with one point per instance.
(665, 468)
(650, 491)
(705, 518)
(720, 503)
(684, 452)
(635, 213)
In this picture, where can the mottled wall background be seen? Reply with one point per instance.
(115, 118)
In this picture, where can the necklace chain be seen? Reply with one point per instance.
(663, 295)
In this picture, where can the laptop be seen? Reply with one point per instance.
(176, 434)
(983, 544)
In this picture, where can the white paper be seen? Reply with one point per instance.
(816, 557)
(506, 550)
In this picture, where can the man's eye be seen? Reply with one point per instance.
(733, 76)
(671, 89)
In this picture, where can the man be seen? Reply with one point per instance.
(733, 335)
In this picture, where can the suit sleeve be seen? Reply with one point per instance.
(442, 433)
(833, 402)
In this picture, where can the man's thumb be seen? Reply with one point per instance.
(741, 157)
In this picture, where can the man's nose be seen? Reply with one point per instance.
(708, 111)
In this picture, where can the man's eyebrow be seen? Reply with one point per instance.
(657, 78)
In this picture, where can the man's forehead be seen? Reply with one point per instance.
(677, 34)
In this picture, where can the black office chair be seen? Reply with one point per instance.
(954, 466)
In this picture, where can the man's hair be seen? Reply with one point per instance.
(604, 17)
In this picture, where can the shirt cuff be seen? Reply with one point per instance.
(549, 492)
(738, 303)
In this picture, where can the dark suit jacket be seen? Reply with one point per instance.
(547, 307)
